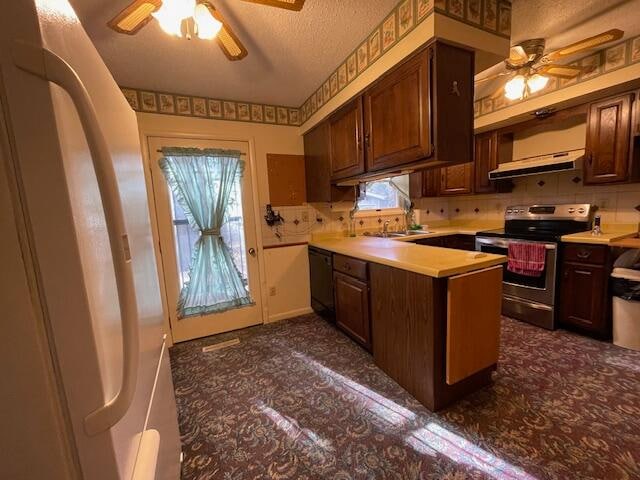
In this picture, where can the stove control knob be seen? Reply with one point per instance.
(509, 211)
(581, 211)
(571, 210)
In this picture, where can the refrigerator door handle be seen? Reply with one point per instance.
(47, 65)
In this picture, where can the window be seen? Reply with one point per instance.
(232, 231)
(380, 194)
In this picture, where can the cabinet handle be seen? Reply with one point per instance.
(583, 254)
(367, 140)
(583, 272)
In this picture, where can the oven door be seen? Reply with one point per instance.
(539, 289)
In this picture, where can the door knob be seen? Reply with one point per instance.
(252, 252)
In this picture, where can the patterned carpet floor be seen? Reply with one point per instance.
(299, 400)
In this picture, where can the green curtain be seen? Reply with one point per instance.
(202, 182)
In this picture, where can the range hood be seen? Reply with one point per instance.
(553, 162)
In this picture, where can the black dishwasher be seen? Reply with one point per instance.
(321, 273)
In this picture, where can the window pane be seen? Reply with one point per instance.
(380, 194)
(232, 231)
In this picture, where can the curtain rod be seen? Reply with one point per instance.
(160, 151)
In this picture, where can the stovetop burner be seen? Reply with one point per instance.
(544, 222)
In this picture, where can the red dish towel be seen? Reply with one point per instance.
(526, 258)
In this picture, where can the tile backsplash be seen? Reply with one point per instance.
(300, 222)
(616, 203)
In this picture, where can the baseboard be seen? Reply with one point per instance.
(289, 314)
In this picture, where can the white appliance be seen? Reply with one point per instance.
(87, 386)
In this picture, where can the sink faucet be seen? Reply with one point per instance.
(385, 228)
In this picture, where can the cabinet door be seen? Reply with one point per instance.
(318, 168)
(345, 141)
(608, 137)
(486, 159)
(456, 180)
(425, 183)
(583, 293)
(397, 116)
(352, 308)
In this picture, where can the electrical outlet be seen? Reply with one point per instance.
(272, 291)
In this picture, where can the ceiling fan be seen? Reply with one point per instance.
(189, 18)
(530, 68)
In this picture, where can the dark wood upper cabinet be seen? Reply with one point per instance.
(425, 183)
(318, 168)
(397, 116)
(486, 159)
(452, 104)
(607, 158)
(456, 180)
(346, 151)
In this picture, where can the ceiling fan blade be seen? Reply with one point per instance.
(228, 41)
(295, 5)
(517, 55)
(134, 17)
(493, 77)
(586, 44)
(562, 71)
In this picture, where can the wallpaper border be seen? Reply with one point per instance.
(150, 101)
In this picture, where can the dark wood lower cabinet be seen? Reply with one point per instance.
(584, 292)
(352, 308)
(459, 242)
(409, 320)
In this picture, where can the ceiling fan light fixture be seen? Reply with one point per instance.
(537, 82)
(207, 25)
(172, 13)
(514, 88)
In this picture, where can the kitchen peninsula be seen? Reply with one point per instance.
(429, 315)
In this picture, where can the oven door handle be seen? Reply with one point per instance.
(504, 243)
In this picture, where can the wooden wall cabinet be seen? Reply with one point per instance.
(346, 152)
(318, 168)
(485, 160)
(636, 114)
(425, 183)
(584, 297)
(457, 180)
(418, 114)
(397, 113)
(491, 148)
(607, 158)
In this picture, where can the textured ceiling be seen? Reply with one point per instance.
(562, 22)
(290, 53)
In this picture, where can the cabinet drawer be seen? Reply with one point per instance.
(350, 266)
(592, 254)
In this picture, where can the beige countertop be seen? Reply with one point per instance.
(609, 235)
(426, 260)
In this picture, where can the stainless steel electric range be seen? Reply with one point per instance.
(533, 299)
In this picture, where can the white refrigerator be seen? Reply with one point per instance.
(87, 390)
